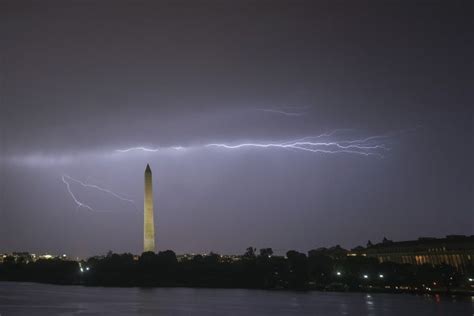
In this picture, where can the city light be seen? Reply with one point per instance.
(471, 280)
(366, 276)
(338, 273)
(82, 270)
(87, 269)
(381, 276)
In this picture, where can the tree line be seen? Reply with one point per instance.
(321, 269)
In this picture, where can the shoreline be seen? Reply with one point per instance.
(443, 293)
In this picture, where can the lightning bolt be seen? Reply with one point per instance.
(147, 149)
(333, 142)
(286, 113)
(370, 146)
(286, 110)
(66, 179)
(178, 148)
(318, 147)
(78, 203)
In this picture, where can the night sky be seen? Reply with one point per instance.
(387, 85)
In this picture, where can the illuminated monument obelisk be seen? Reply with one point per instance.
(149, 224)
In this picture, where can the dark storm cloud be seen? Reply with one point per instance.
(81, 79)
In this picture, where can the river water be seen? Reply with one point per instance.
(44, 299)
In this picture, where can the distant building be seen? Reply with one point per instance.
(26, 257)
(221, 258)
(23, 257)
(454, 250)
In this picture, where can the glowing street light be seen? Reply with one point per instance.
(381, 276)
(338, 273)
(366, 276)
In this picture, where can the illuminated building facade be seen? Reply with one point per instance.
(454, 250)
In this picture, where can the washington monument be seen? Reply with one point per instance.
(149, 224)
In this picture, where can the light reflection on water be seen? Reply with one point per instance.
(42, 299)
(370, 305)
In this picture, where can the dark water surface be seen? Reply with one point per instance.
(43, 299)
